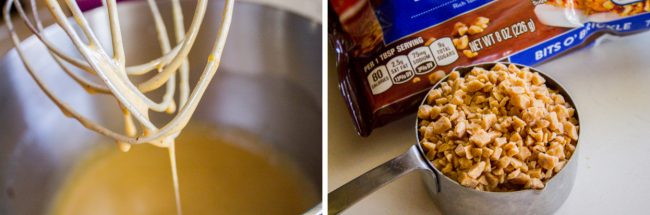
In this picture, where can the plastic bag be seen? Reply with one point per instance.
(390, 52)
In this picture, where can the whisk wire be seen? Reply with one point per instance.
(114, 73)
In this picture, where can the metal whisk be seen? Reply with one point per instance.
(114, 73)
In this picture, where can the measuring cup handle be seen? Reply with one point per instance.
(355, 190)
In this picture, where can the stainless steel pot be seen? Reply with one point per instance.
(453, 198)
(269, 84)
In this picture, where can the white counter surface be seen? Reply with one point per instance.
(610, 84)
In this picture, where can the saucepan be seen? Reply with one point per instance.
(449, 195)
(268, 84)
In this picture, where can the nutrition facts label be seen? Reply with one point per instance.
(422, 60)
(444, 51)
(379, 80)
(401, 68)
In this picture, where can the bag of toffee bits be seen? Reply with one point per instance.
(390, 52)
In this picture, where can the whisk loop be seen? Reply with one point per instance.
(114, 73)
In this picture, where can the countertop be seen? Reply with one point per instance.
(610, 84)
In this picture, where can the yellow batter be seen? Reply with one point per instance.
(229, 173)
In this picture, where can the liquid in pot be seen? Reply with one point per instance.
(225, 173)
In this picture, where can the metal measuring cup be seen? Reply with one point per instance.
(453, 198)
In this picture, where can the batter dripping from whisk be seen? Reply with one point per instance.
(114, 73)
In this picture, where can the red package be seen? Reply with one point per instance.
(390, 52)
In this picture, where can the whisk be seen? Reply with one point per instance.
(114, 73)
